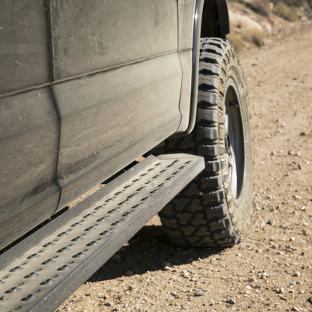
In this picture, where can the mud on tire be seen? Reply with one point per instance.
(215, 208)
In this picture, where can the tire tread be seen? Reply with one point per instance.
(201, 215)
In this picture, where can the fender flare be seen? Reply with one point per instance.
(211, 19)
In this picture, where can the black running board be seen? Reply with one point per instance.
(39, 273)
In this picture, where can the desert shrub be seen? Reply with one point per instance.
(237, 42)
(286, 12)
(253, 35)
(257, 38)
(260, 6)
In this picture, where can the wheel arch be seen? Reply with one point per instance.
(211, 19)
(215, 19)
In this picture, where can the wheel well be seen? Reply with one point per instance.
(215, 19)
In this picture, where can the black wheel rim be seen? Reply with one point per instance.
(234, 140)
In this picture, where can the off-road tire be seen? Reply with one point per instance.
(206, 213)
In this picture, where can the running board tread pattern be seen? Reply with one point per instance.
(68, 250)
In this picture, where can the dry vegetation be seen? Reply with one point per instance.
(288, 13)
(256, 22)
(261, 7)
(237, 42)
(254, 36)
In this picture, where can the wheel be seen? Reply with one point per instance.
(215, 208)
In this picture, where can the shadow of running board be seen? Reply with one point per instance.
(39, 273)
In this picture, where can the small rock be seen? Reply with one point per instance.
(271, 222)
(281, 290)
(185, 308)
(168, 264)
(264, 275)
(231, 301)
(185, 274)
(301, 291)
(305, 233)
(295, 309)
(297, 273)
(108, 304)
(273, 153)
(199, 293)
(262, 224)
(293, 153)
(303, 133)
(166, 268)
(310, 300)
(293, 283)
(285, 225)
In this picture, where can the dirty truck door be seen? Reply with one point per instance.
(117, 80)
(29, 128)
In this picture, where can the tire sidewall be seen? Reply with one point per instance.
(240, 209)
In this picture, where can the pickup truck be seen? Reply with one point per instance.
(145, 97)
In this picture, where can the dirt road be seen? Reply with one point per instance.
(271, 270)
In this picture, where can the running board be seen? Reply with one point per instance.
(43, 270)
